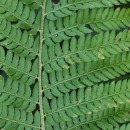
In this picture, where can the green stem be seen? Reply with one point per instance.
(40, 66)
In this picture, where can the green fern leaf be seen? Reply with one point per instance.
(64, 65)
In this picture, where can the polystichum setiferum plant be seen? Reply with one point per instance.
(65, 65)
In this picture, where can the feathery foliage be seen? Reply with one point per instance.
(64, 65)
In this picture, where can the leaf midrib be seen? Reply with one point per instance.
(41, 67)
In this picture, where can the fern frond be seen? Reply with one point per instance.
(91, 101)
(64, 64)
(109, 123)
(16, 11)
(19, 95)
(19, 42)
(14, 99)
(85, 43)
(123, 127)
(81, 23)
(18, 68)
(65, 8)
(11, 118)
(60, 69)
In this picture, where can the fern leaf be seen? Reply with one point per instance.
(21, 120)
(123, 127)
(101, 98)
(95, 20)
(65, 8)
(22, 14)
(107, 56)
(64, 64)
(16, 41)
